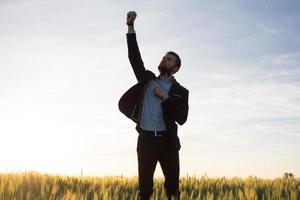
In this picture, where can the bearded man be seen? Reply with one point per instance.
(156, 104)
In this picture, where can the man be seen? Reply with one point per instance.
(155, 104)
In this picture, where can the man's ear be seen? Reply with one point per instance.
(175, 69)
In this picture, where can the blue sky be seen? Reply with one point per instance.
(64, 66)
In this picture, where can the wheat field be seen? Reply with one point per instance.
(33, 185)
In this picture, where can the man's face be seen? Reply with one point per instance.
(168, 64)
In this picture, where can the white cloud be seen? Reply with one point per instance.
(267, 29)
(291, 59)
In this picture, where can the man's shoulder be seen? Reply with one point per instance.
(148, 75)
(181, 88)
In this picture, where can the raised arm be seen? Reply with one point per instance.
(133, 49)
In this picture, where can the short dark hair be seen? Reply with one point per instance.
(178, 60)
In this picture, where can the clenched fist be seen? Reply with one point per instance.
(130, 18)
(160, 93)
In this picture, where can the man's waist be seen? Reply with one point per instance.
(153, 133)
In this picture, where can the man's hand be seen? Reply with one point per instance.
(160, 93)
(131, 15)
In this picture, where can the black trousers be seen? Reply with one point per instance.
(150, 150)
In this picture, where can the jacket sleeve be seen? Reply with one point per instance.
(177, 107)
(135, 56)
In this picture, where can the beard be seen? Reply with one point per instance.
(163, 69)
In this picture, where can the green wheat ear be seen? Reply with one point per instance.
(33, 185)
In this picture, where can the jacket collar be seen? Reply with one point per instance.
(173, 80)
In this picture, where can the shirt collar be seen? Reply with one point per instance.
(173, 80)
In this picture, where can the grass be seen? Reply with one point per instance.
(32, 185)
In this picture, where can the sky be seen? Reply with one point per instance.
(64, 66)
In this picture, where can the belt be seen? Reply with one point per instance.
(154, 133)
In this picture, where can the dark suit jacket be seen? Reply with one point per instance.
(175, 108)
